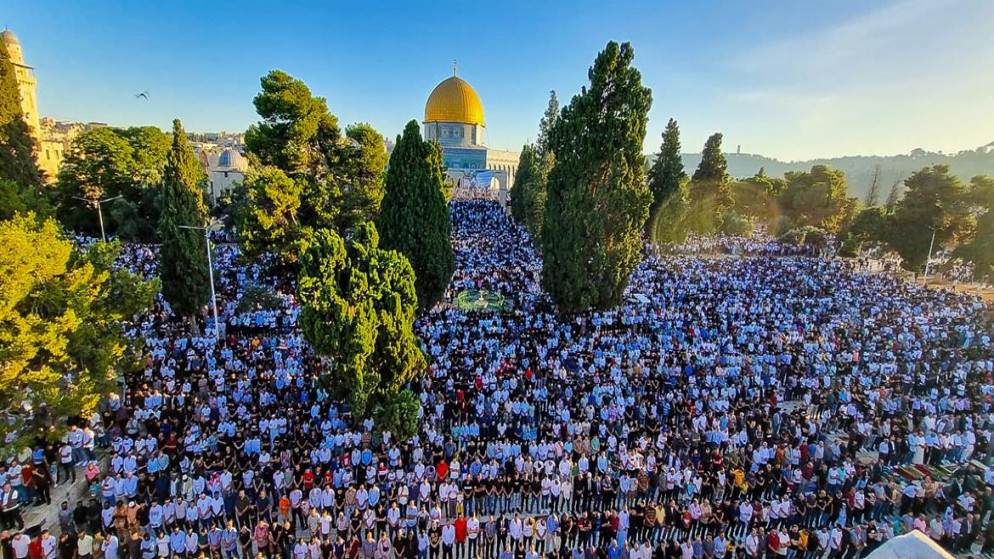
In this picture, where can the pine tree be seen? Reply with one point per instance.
(17, 148)
(893, 196)
(183, 259)
(597, 199)
(414, 216)
(666, 174)
(710, 189)
(528, 194)
(358, 309)
(545, 128)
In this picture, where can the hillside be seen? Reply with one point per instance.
(859, 169)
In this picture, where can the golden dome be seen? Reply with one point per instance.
(454, 100)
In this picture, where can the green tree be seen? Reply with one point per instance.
(893, 196)
(266, 214)
(979, 247)
(869, 225)
(414, 216)
(363, 160)
(111, 162)
(816, 198)
(597, 202)
(669, 225)
(297, 133)
(358, 308)
(666, 174)
(933, 201)
(17, 148)
(183, 258)
(62, 335)
(528, 194)
(710, 192)
(542, 150)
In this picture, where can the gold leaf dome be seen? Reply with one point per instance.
(454, 100)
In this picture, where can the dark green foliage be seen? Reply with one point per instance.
(710, 193)
(183, 260)
(542, 149)
(297, 133)
(109, 162)
(806, 235)
(669, 225)
(256, 297)
(363, 164)
(869, 225)
(933, 201)
(597, 202)
(528, 193)
(17, 149)
(265, 214)
(358, 308)
(732, 223)
(666, 174)
(816, 198)
(414, 216)
(979, 248)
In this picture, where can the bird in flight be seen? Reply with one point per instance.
(142, 95)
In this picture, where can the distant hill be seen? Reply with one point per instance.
(859, 169)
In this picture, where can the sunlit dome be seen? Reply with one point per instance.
(231, 159)
(9, 38)
(454, 100)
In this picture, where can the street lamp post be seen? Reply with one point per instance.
(210, 271)
(100, 214)
(928, 263)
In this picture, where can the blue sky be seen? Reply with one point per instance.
(791, 80)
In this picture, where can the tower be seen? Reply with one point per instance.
(26, 83)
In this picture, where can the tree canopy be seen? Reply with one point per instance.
(933, 201)
(528, 193)
(710, 194)
(183, 258)
(268, 202)
(358, 308)
(414, 216)
(110, 162)
(818, 198)
(62, 317)
(666, 174)
(597, 202)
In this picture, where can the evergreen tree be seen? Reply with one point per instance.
(979, 249)
(183, 258)
(666, 174)
(545, 128)
(17, 148)
(62, 328)
(414, 216)
(528, 194)
(597, 199)
(710, 190)
(893, 196)
(265, 213)
(358, 308)
(934, 201)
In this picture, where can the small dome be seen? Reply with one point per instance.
(231, 159)
(454, 100)
(9, 38)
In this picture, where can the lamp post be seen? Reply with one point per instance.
(100, 214)
(210, 271)
(928, 262)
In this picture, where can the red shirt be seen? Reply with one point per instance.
(442, 469)
(460, 525)
(773, 542)
(308, 480)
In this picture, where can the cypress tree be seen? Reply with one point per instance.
(545, 128)
(710, 188)
(414, 216)
(17, 147)
(528, 194)
(666, 174)
(183, 259)
(597, 199)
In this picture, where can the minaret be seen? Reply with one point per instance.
(26, 82)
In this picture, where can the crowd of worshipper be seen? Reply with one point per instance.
(767, 407)
(760, 244)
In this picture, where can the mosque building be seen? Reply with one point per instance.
(454, 117)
